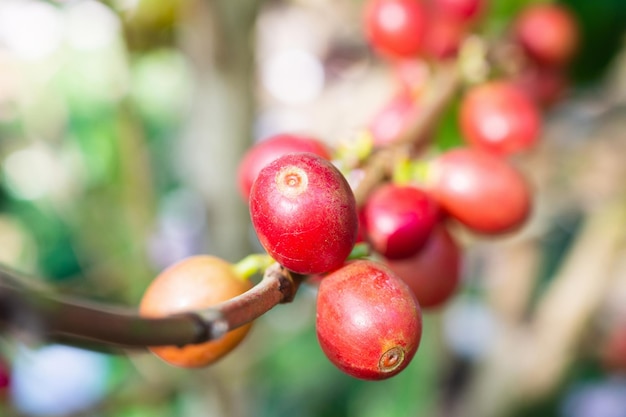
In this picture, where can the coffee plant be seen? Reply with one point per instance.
(379, 223)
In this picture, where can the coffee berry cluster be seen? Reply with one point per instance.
(301, 190)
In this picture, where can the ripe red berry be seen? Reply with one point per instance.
(399, 219)
(613, 350)
(304, 213)
(548, 33)
(392, 118)
(368, 322)
(480, 190)
(5, 376)
(461, 10)
(395, 27)
(194, 283)
(433, 273)
(546, 85)
(499, 117)
(443, 37)
(412, 75)
(268, 150)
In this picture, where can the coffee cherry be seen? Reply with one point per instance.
(5, 376)
(268, 150)
(613, 350)
(411, 75)
(443, 37)
(304, 213)
(545, 85)
(194, 283)
(499, 117)
(395, 27)
(368, 322)
(461, 10)
(433, 273)
(391, 119)
(399, 219)
(480, 190)
(548, 33)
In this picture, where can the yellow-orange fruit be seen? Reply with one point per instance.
(194, 283)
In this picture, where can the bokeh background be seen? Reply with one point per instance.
(121, 126)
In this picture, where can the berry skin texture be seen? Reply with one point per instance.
(368, 321)
(480, 190)
(304, 213)
(433, 273)
(499, 117)
(268, 150)
(548, 33)
(194, 283)
(395, 28)
(399, 219)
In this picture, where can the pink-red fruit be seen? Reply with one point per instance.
(399, 219)
(461, 10)
(368, 322)
(480, 190)
(304, 213)
(396, 27)
(433, 273)
(548, 33)
(392, 119)
(268, 150)
(499, 117)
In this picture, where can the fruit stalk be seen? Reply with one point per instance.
(41, 313)
(447, 83)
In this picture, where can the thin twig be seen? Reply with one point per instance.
(446, 84)
(50, 316)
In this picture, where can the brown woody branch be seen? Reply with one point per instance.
(446, 84)
(47, 315)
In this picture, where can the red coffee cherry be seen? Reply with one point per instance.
(268, 150)
(433, 273)
(5, 376)
(411, 75)
(443, 37)
(480, 190)
(395, 27)
(499, 117)
(613, 349)
(399, 219)
(368, 322)
(548, 33)
(304, 213)
(392, 118)
(546, 85)
(194, 283)
(461, 10)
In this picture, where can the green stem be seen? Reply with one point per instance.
(252, 264)
(360, 250)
